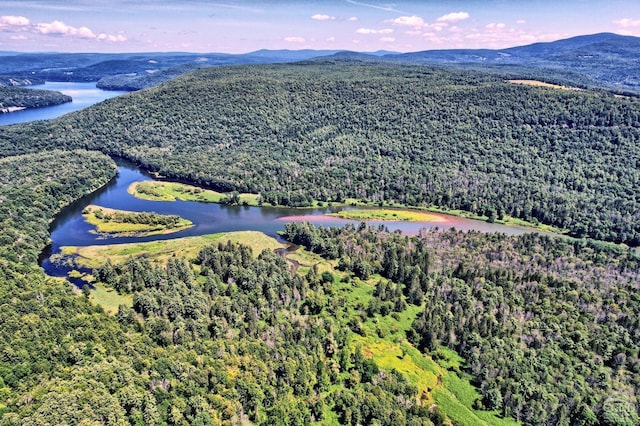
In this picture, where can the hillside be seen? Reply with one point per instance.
(598, 60)
(605, 59)
(15, 98)
(383, 133)
(358, 325)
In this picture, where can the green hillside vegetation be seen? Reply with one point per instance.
(18, 97)
(549, 328)
(121, 223)
(360, 325)
(417, 136)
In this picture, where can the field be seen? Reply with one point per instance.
(537, 83)
(388, 214)
(161, 251)
(120, 223)
(172, 191)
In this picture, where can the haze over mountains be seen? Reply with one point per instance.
(605, 60)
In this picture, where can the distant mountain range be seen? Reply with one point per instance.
(603, 60)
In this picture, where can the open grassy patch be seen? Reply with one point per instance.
(161, 251)
(120, 223)
(172, 191)
(387, 214)
(109, 298)
(537, 83)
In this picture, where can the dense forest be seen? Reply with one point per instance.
(18, 97)
(410, 135)
(548, 328)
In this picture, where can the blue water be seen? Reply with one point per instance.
(83, 95)
(70, 229)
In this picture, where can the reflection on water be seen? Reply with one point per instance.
(70, 229)
(83, 94)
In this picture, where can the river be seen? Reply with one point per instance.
(83, 95)
(70, 229)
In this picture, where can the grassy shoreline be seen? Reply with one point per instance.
(122, 223)
(387, 215)
(172, 191)
(160, 251)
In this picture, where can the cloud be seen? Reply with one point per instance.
(372, 31)
(521, 22)
(60, 28)
(331, 39)
(294, 39)
(353, 19)
(55, 29)
(627, 23)
(320, 17)
(387, 39)
(494, 27)
(111, 38)
(408, 21)
(453, 17)
(13, 22)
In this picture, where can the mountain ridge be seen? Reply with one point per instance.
(606, 60)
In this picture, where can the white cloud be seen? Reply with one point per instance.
(331, 39)
(495, 26)
(409, 21)
(60, 28)
(320, 17)
(373, 31)
(54, 29)
(453, 17)
(295, 39)
(352, 19)
(18, 37)
(111, 38)
(627, 23)
(387, 39)
(15, 22)
(521, 22)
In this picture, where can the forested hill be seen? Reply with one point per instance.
(18, 97)
(412, 135)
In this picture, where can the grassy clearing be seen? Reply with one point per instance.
(537, 83)
(387, 214)
(438, 378)
(109, 298)
(161, 251)
(172, 191)
(122, 223)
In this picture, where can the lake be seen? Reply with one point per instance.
(83, 95)
(70, 229)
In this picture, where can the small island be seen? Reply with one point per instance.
(18, 98)
(172, 191)
(388, 214)
(121, 223)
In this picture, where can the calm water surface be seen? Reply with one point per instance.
(70, 229)
(83, 94)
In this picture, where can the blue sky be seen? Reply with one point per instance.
(237, 26)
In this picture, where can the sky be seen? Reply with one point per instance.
(239, 26)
